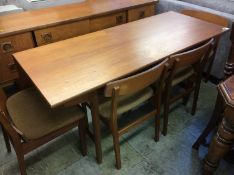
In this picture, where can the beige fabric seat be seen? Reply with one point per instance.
(34, 118)
(125, 103)
(182, 74)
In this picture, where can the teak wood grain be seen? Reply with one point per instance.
(64, 70)
(43, 18)
(107, 21)
(9, 45)
(61, 32)
(141, 12)
(56, 24)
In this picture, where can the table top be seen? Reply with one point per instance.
(64, 70)
(38, 19)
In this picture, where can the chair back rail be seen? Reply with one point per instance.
(136, 82)
(197, 57)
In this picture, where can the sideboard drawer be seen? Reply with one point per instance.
(61, 32)
(8, 46)
(141, 12)
(8, 71)
(107, 21)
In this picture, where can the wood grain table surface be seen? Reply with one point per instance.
(65, 70)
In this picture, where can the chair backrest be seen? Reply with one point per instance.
(136, 82)
(196, 57)
(209, 17)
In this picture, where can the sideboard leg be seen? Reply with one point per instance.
(221, 143)
(229, 67)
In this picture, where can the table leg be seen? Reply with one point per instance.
(96, 127)
(229, 67)
(221, 143)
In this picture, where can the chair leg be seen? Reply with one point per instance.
(7, 141)
(82, 134)
(210, 64)
(157, 128)
(188, 85)
(195, 98)
(117, 150)
(185, 99)
(115, 135)
(165, 114)
(21, 162)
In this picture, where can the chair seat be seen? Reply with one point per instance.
(126, 103)
(34, 117)
(182, 74)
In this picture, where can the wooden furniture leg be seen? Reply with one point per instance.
(221, 143)
(229, 67)
(224, 139)
(195, 98)
(214, 120)
(96, 127)
(115, 135)
(82, 134)
(6, 139)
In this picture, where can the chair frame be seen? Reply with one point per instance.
(212, 18)
(23, 146)
(198, 61)
(130, 85)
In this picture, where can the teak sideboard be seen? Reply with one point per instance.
(31, 29)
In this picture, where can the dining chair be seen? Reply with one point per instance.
(129, 96)
(212, 18)
(28, 122)
(185, 72)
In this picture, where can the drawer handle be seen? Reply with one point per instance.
(142, 14)
(47, 37)
(12, 67)
(119, 19)
(7, 47)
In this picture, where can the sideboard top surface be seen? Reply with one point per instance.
(37, 19)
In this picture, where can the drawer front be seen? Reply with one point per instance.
(107, 21)
(141, 12)
(8, 46)
(61, 32)
(8, 69)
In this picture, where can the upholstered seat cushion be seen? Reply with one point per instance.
(182, 74)
(126, 103)
(34, 117)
